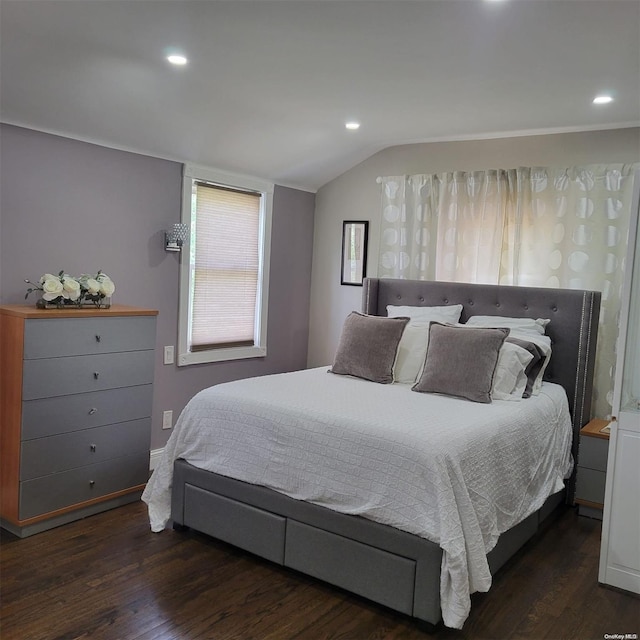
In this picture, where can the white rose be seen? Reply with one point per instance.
(52, 288)
(92, 285)
(106, 286)
(71, 287)
(48, 276)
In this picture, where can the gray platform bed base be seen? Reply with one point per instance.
(391, 567)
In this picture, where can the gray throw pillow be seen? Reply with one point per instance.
(461, 361)
(367, 347)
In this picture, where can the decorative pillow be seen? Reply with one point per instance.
(461, 361)
(368, 346)
(527, 329)
(445, 314)
(510, 379)
(413, 345)
(534, 325)
(537, 361)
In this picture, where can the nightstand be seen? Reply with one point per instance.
(592, 468)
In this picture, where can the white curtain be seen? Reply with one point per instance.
(538, 226)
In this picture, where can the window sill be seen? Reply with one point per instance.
(220, 355)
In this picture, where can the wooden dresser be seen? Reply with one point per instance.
(76, 389)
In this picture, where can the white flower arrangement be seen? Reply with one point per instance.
(65, 290)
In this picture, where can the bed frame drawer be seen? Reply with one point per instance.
(251, 529)
(375, 574)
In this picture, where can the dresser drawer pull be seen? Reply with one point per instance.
(98, 338)
(91, 483)
(95, 374)
(92, 411)
(92, 447)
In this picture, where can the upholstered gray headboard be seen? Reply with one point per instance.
(573, 327)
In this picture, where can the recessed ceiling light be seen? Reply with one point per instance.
(602, 100)
(352, 126)
(177, 59)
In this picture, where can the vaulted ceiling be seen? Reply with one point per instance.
(269, 85)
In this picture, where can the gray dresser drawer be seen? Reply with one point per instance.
(79, 374)
(55, 337)
(60, 490)
(590, 485)
(593, 453)
(53, 454)
(63, 414)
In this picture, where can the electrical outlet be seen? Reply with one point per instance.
(167, 419)
(169, 355)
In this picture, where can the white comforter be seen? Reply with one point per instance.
(455, 472)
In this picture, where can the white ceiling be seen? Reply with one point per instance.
(270, 85)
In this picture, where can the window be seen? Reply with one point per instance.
(224, 270)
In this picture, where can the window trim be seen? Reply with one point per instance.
(190, 173)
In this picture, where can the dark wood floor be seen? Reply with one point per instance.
(107, 577)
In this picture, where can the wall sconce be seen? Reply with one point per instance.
(175, 237)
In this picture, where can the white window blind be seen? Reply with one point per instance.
(226, 267)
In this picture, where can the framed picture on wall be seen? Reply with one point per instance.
(354, 252)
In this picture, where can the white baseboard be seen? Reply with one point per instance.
(154, 458)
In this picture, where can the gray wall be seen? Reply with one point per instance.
(355, 196)
(80, 207)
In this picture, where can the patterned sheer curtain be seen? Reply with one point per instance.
(448, 226)
(538, 226)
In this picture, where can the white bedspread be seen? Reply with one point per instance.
(455, 472)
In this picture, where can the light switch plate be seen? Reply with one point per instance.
(169, 355)
(167, 419)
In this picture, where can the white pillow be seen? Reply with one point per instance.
(412, 349)
(510, 379)
(533, 325)
(412, 352)
(447, 314)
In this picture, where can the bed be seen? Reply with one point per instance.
(380, 542)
